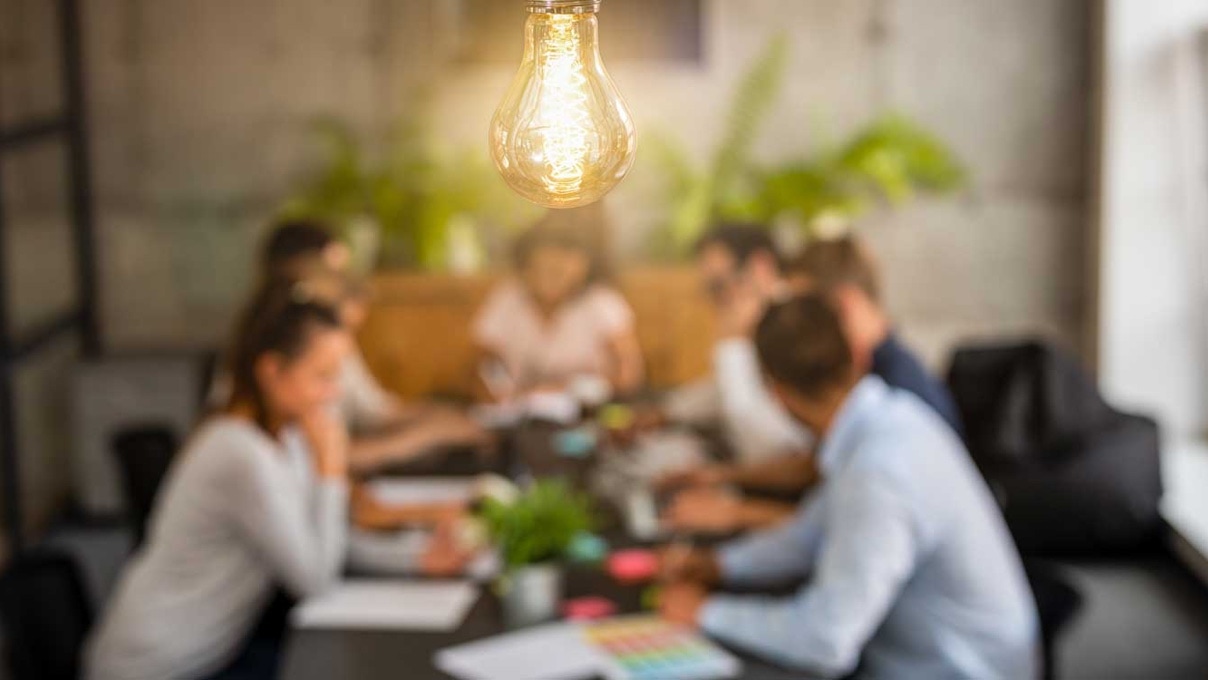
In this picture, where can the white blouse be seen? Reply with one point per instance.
(537, 349)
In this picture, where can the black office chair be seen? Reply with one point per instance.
(46, 616)
(143, 455)
(1057, 603)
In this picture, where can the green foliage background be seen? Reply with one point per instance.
(412, 188)
(888, 162)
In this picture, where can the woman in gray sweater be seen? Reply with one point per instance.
(257, 500)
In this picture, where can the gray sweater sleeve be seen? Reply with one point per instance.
(299, 527)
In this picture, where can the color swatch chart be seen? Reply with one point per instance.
(648, 648)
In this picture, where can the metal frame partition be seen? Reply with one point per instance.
(69, 127)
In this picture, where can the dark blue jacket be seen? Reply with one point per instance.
(900, 368)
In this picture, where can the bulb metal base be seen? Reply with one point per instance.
(562, 6)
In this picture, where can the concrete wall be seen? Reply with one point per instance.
(1153, 297)
(199, 111)
(201, 115)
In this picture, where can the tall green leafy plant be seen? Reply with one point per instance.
(413, 189)
(887, 162)
(696, 195)
(539, 526)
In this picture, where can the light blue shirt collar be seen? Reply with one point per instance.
(863, 400)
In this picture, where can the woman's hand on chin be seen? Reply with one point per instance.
(328, 439)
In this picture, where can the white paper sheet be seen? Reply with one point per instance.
(555, 407)
(398, 553)
(498, 415)
(552, 652)
(395, 553)
(422, 490)
(393, 605)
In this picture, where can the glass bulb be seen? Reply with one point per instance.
(562, 137)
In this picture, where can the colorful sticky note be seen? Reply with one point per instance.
(588, 608)
(631, 566)
(616, 417)
(576, 443)
(650, 598)
(587, 547)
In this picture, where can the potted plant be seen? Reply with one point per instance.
(533, 534)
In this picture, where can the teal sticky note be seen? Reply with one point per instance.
(586, 547)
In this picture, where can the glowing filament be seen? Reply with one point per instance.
(565, 119)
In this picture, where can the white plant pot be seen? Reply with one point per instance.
(532, 594)
(465, 252)
(364, 238)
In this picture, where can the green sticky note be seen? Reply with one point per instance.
(650, 597)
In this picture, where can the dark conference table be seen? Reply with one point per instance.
(314, 654)
(407, 655)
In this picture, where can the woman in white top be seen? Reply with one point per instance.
(257, 500)
(557, 320)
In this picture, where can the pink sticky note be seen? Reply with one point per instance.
(588, 608)
(633, 565)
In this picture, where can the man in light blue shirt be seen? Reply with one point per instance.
(912, 573)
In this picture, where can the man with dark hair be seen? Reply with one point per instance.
(844, 269)
(741, 243)
(846, 273)
(739, 269)
(912, 571)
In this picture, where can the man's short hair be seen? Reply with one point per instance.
(292, 242)
(741, 240)
(831, 263)
(801, 344)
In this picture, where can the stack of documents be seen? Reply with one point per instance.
(393, 605)
(423, 490)
(552, 652)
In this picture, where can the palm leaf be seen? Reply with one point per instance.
(753, 100)
(896, 157)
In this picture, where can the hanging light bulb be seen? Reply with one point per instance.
(562, 137)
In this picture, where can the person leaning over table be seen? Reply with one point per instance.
(912, 573)
(557, 319)
(257, 501)
(846, 272)
(740, 269)
(384, 429)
